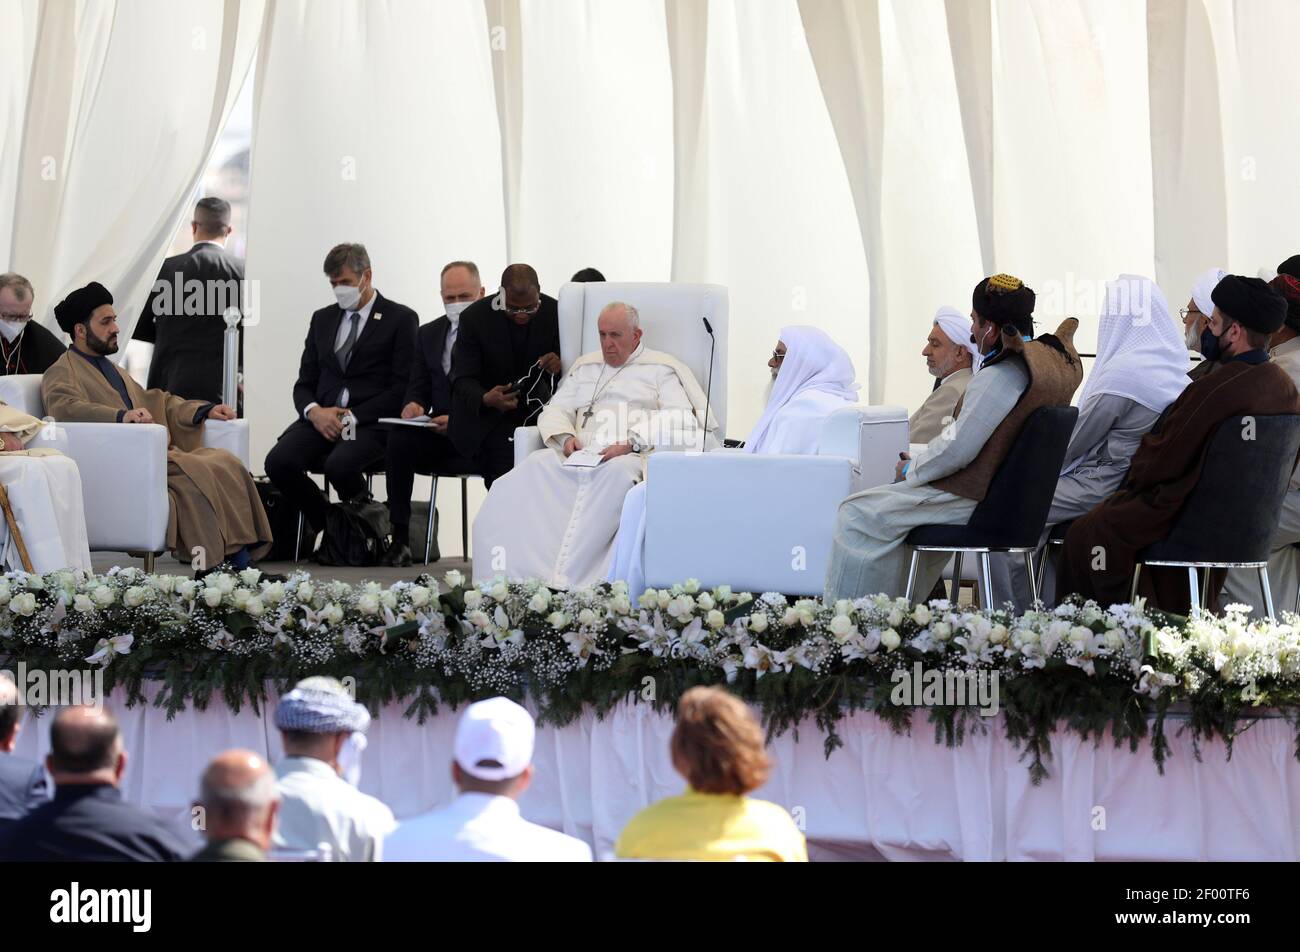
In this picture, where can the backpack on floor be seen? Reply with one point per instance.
(356, 533)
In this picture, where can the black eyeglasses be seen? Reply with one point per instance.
(778, 356)
(1187, 312)
(522, 311)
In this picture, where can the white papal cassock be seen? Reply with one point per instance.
(44, 490)
(557, 523)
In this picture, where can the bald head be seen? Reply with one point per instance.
(238, 797)
(86, 747)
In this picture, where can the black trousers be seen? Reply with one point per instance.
(301, 448)
(414, 450)
(495, 458)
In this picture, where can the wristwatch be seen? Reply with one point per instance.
(637, 445)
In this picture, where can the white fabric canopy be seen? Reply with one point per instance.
(881, 794)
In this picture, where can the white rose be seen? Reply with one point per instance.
(479, 619)
(250, 577)
(371, 588)
(103, 596)
(23, 603)
(790, 618)
(841, 626)
(388, 599)
(620, 604)
(758, 623)
(333, 613)
(4, 593)
(473, 598)
(941, 631)
(135, 596)
(420, 596)
(186, 588)
(306, 592)
(715, 619)
(705, 602)
(254, 606)
(889, 638)
(557, 620)
(225, 583)
(843, 606)
(273, 594)
(895, 618)
(722, 593)
(998, 634)
(1114, 639)
(921, 614)
(692, 586)
(499, 591)
(164, 583)
(82, 603)
(211, 597)
(662, 598)
(239, 598)
(539, 602)
(648, 599)
(454, 579)
(1080, 637)
(368, 605)
(587, 618)
(806, 616)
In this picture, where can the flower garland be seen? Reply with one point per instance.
(1117, 669)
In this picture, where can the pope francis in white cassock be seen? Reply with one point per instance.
(44, 490)
(812, 377)
(554, 517)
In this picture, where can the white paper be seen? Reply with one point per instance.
(414, 421)
(584, 458)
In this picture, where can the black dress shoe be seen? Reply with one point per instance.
(398, 556)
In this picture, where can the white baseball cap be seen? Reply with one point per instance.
(497, 729)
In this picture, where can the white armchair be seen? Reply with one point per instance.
(671, 315)
(123, 469)
(762, 523)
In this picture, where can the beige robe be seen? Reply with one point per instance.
(936, 412)
(214, 507)
(44, 490)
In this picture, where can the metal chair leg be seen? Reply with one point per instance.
(955, 595)
(1195, 584)
(297, 540)
(1137, 574)
(1268, 593)
(986, 580)
(148, 563)
(433, 509)
(911, 576)
(464, 519)
(1034, 583)
(1042, 568)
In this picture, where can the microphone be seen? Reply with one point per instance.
(708, 392)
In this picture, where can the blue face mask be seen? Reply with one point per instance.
(1211, 346)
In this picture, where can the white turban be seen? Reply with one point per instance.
(956, 327)
(1204, 287)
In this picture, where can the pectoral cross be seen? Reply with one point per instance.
(586, 416)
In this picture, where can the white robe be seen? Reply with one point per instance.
(557, 523)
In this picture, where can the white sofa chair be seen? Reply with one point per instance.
(671, 316)
(123, 469)
(763, 523)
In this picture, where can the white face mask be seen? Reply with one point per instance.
(347, 296)
(456, 308)
(12, 330)
(350, 758)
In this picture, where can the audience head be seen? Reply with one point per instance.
(211, 219)
(348, 268)
(319, 719)
(778, 358)
(588, 276)
(10, 713)
(999, 305)
(461, 286)
(1247, 313)
(85, 748)
(16, 300)
(619, 325)
(717, 744)
(87, 316)
(239, 800)
(949, 349)
(1288, 286)
(494, 749)
(521, 293)
(1290, 266)
(1200, 307)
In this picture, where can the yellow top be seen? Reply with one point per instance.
(712, 827)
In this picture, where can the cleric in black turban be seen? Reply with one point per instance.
(1251, 303)
(77, 307)
(1290, 266)
(1288, 286)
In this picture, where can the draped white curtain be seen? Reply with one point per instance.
(17, 45)
(124, 104)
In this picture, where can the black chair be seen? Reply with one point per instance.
(1012, 514)
(1229, 519)
(464, 478)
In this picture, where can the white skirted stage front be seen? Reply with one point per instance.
(900, 797)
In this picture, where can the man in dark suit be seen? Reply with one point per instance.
(427, 449)
(25, 346)
(22, 783)
(185, 316)
(503, 339)
(355, 367)
(88, 821)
